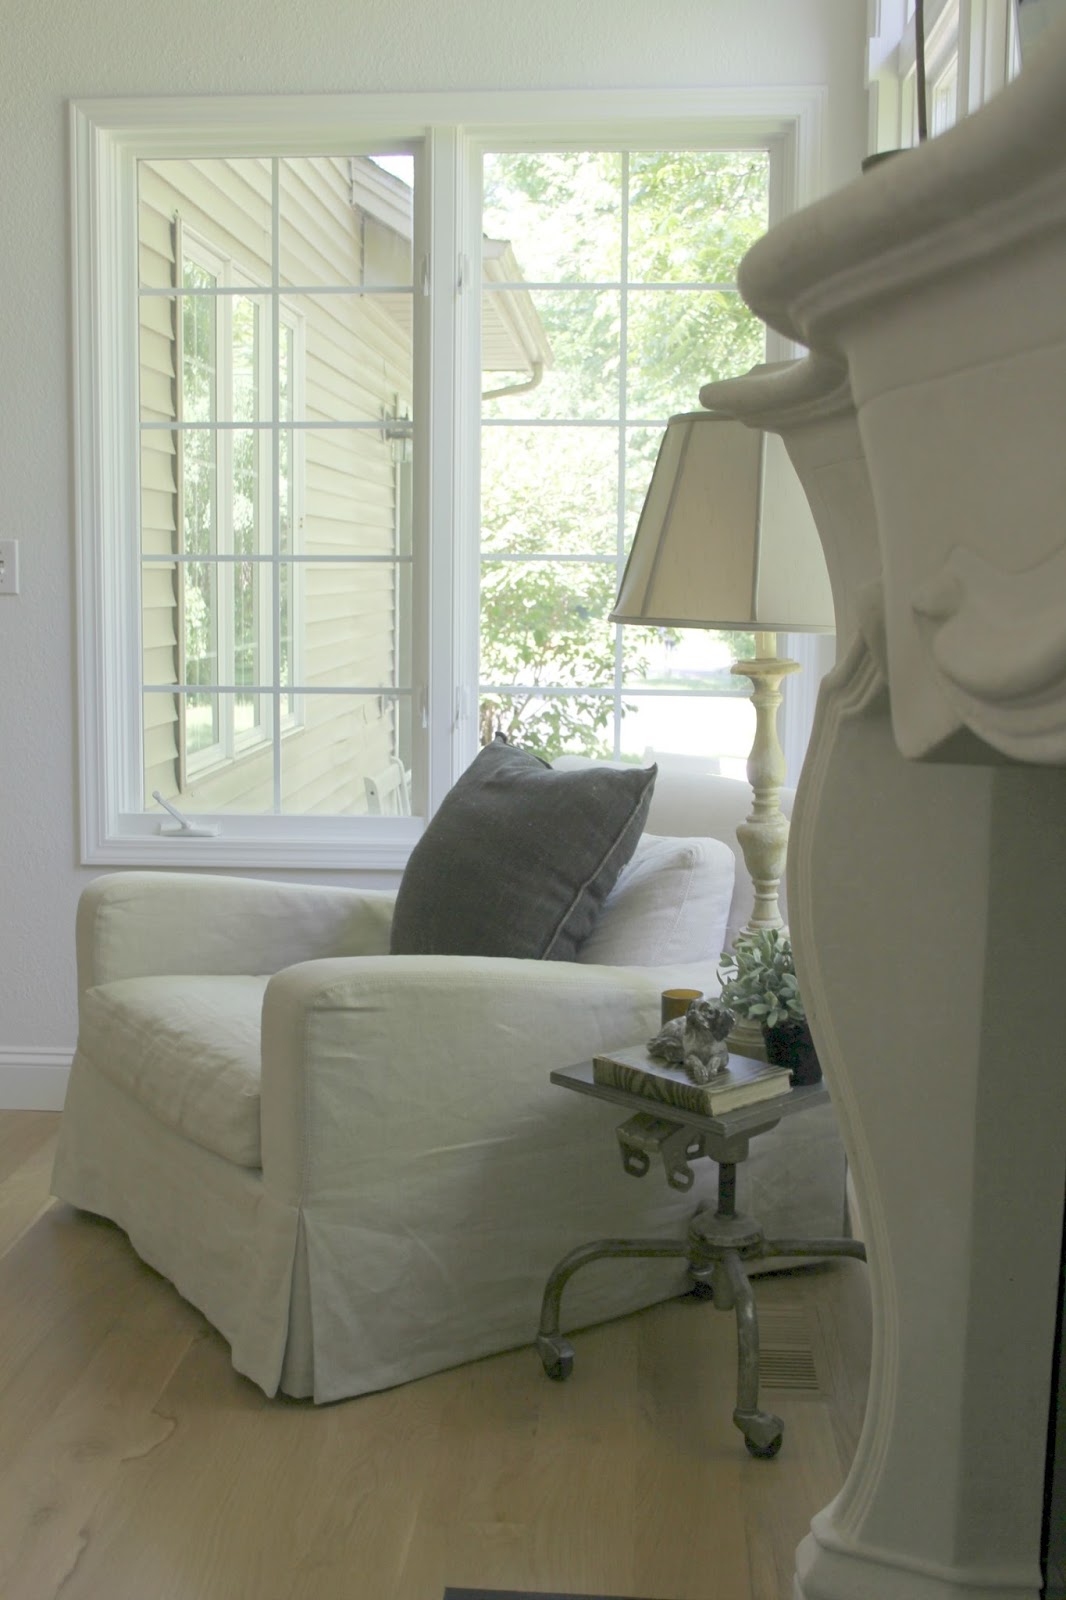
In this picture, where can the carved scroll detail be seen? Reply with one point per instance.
(998, 641)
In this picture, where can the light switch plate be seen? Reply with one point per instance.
(9, 566)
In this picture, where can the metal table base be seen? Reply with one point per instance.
(717, 1246)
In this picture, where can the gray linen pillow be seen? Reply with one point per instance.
(519, 858)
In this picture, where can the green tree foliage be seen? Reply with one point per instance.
(642, 356)
(546, 625)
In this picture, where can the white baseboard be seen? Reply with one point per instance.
(33, 1078)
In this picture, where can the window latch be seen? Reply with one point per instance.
(462, 705)
(184, 827)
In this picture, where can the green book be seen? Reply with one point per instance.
(742, 1083)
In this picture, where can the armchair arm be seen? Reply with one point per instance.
(380, 1062)
(139, 924)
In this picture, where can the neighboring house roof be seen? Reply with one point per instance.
(513, 338)
(509, 321)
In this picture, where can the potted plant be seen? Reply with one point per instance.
(758, 978)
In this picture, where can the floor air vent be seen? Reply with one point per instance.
(786, 1350)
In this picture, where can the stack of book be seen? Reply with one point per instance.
(743, 1083)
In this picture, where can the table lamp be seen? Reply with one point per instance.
(726, 539)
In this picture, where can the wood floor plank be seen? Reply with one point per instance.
(844, 1322)
(262, 1497)
(63, 1287)
(21, 1134)
(24, 1194)
(144, 1466)
(27, 1150)
(520, 1514)
(693, 1520)
(583, 1489)
(53, 1477)
(779, 1497)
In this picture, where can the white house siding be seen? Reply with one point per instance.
(159, 503)
(356, 367)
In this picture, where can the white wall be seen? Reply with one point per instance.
(52, 53)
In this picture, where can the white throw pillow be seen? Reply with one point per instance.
(670, 905)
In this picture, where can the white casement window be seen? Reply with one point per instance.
(368, 394)
(971, 51)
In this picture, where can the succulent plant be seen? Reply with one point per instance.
(759, 980)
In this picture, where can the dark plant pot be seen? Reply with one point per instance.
(790, 1045)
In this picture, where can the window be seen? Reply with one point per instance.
(970, 53)
(633, 296)
(266, 367)
(306, 447)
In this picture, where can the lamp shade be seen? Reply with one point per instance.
(726, 538)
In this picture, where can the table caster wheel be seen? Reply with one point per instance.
(763, 1433)
(557, 1356)
(764, 1452)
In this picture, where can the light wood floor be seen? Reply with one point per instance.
(136, 1465)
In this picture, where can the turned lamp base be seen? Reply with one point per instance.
(763, 836)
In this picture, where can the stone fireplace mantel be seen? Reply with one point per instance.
(927, 866)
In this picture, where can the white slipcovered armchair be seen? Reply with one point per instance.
(354, 1163)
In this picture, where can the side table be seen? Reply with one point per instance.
(718, 1243)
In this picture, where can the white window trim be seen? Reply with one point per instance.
(446, 133)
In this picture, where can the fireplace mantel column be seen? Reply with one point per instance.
(927, 864)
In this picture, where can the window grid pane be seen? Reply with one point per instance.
(630, 259)
(262, 440)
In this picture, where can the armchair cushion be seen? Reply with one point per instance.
(520, 858)
(149, 924)
(669, 906)
(188, 1050)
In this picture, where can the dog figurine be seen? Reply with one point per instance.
(696, 1041)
